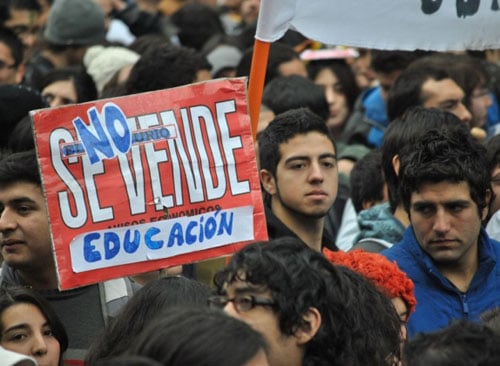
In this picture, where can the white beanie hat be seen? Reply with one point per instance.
(102, 63)
(9, 358)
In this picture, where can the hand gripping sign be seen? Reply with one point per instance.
(147, 181)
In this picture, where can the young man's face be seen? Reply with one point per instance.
(24, 227)
(24, 23)
(445, 95)
(306, 178)
(446, 223)
(284, 349)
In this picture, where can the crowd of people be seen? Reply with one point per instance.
(380, 177)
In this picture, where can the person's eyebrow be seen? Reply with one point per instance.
(16, 327)
(328, 155)
(297, 157)
(249, 290)
(304, 157)
(19, 200)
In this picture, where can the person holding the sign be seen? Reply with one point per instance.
(26, 247)
(298, 171)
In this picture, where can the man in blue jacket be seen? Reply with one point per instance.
(445, 188)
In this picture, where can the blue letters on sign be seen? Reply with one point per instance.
(115, 124)
(89, 250)
(112, 244)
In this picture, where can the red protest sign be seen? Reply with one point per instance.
(147, 181)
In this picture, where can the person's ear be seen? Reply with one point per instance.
(268, 181)
(486, 208)
(395, 164)
(311, 323)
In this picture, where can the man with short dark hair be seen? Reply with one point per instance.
(383, 225)
(298, 171)
(26, 247)
(444, 185)
(428, 84)
(309, 311)
(23, 18)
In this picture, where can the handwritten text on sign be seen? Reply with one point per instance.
(113, 139)
(147, 181)
(107, 248)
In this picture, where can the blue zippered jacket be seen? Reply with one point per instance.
(438, 300)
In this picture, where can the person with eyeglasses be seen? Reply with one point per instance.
(23, 18)
(309, 311)
(72, 27)
(11, 57)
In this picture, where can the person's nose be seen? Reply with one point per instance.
(316, 172)
(56, 102)
(7, 221)
(230, 309)
(441, 222)
(29, 40)
(463, 114)
(329, 94)
(39, 346)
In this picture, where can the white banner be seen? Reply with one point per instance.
(386, 24)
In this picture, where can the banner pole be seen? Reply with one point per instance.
(256, 81)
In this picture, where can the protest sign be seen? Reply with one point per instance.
(147, 181)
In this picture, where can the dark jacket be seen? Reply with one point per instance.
(277, 229)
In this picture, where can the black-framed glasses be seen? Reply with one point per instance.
(22, 30)
(242, 303)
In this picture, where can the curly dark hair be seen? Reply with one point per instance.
(359, 325)
(445, 156)
(461, 343)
